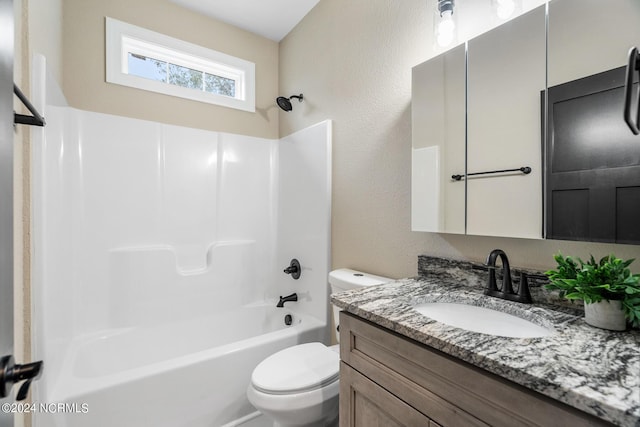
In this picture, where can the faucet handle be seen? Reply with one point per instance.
(524, 295)
(294, 269)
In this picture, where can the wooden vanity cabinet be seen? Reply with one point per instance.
(389, 380)
(371, 405)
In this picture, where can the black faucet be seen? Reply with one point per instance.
(492, 287)
(506, 291)
(292, 297)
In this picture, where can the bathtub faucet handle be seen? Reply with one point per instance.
(294, 269)
(288, 298)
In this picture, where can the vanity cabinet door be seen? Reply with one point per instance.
(363, 403)
(438, 143)
(506, 74)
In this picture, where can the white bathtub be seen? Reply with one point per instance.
(188, 374)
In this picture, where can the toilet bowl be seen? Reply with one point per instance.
(299, 386)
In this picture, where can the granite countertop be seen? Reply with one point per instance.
(593, 370)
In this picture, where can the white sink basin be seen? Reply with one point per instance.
(482, 319)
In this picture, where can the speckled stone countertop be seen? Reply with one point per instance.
(591, 369)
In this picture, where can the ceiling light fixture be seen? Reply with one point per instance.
(446, 26)
(505, 8)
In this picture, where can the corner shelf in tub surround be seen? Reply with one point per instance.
(592, 370)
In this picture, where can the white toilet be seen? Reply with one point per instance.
(299, 386)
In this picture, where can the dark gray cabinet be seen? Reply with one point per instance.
(593, 162)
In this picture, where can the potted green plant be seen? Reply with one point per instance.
(610, 292)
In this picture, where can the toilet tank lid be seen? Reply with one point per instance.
(344, 279)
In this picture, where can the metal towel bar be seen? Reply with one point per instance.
(524, 169)
(35, 120)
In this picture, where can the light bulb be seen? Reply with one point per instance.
(446, 29)
(505, 8)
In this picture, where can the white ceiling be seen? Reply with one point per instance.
(272, 19)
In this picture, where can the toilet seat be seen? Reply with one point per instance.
(297, 369)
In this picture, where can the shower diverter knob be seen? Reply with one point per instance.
(294, 269)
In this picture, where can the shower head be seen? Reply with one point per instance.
(285, 103)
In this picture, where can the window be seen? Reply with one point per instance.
(147, 60)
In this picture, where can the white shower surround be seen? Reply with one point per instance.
(140, 227)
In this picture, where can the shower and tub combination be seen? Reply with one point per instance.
(158, 264)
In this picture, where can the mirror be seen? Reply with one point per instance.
(592, 173)
(505, 74)
(476, 109)
(438, 143)
(589, 159)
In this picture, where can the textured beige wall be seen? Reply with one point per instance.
(38, 29)
(21, 314)
(352, 60)
(21, 255)
(84, 66)
(45, 32)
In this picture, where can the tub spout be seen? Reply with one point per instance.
(292, 297)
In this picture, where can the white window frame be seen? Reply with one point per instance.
(123, 38)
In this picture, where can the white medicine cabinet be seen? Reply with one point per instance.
(480, 137)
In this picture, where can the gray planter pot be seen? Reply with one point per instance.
(605, 315)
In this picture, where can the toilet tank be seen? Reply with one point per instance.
(345, 279)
